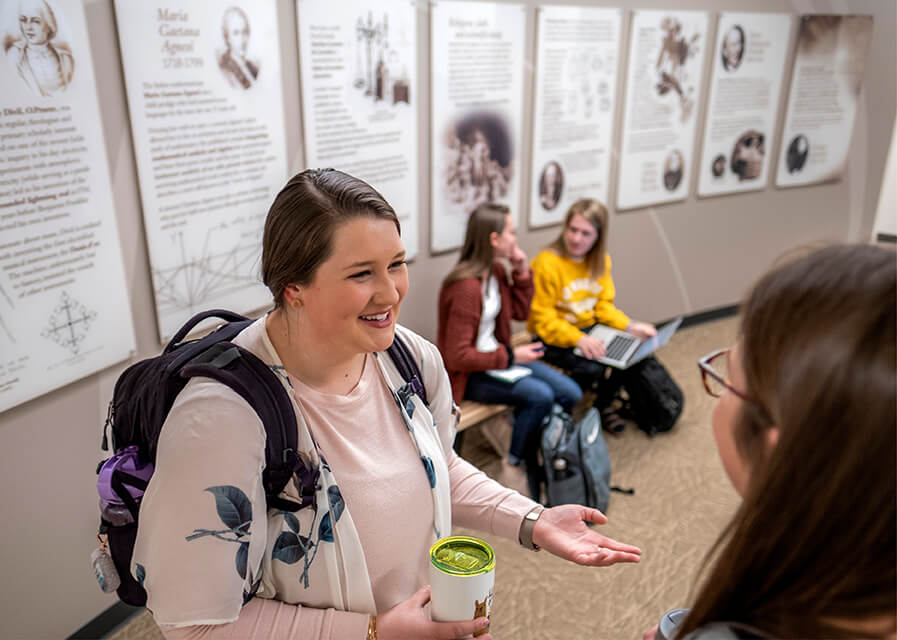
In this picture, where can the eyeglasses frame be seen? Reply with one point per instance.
(706, 369)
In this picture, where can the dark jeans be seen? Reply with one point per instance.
(532, 398)
(590, 375)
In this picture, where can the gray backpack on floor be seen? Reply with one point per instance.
(577, 466)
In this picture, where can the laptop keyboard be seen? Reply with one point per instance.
(618, 346)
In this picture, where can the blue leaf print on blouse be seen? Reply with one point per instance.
(431, 472)
(325, 531)
(289, 548)
(404, 396)
(291, 520)
(336, 502)
(139, 573)
(235, 511)
(234, 508)
(242, 557)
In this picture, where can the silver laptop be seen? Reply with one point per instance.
(624, 349)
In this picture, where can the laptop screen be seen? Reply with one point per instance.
(652, 344)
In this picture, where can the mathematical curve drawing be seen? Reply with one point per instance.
(69, 323)
(196, 279)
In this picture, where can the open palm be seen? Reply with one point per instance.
(562, 530)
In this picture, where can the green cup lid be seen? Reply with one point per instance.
(462, 556)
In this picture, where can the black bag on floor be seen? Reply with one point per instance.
(655, 400)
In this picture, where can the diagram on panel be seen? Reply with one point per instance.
(196, 279)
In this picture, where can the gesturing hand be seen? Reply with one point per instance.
(518, 260)
(562, 531)
(409, 621)
(591, 347)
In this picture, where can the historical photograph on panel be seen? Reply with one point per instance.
(666, 62)
(476, 104)
(577, 57)
(477, 152)
(206, 107)
(745, 86)
(58, 230)
(358, 69)
(829, 66)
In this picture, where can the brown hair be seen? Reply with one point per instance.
(596, 214)
(301, 222)
(811, 549)
(477, 254)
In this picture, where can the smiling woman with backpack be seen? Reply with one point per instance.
(379, 476)
(805, 428)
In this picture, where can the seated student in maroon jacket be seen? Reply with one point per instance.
(476, 303)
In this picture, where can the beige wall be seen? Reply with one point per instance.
(886, 214)
(679, 258)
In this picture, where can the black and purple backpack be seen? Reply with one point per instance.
(141, 400)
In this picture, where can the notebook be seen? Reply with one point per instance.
(511, 374)
(624, 349)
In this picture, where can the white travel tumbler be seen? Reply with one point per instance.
(462, 579)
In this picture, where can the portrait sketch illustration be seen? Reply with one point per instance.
(732, 49)
(33, 48)
(672, 170)
(551, 185)
(240, 71)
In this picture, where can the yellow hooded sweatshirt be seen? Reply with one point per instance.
(567, 300)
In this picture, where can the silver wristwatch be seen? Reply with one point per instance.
(527, 526)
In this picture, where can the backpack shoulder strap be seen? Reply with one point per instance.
(407, 366)
(223, 314)
(256, 383)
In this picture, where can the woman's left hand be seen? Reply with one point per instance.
(562, 531)
(642, 330)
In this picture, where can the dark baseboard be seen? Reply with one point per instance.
(706, 316)
(886, 237)
(107, 622)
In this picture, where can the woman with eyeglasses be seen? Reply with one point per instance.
(805, 427)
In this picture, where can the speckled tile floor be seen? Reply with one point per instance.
(682, 501)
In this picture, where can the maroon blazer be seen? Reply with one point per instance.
(460, 308)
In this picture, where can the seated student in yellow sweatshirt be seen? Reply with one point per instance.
(573, 292)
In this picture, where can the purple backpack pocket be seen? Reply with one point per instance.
(122, 480)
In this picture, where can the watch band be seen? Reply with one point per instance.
(527, 526)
